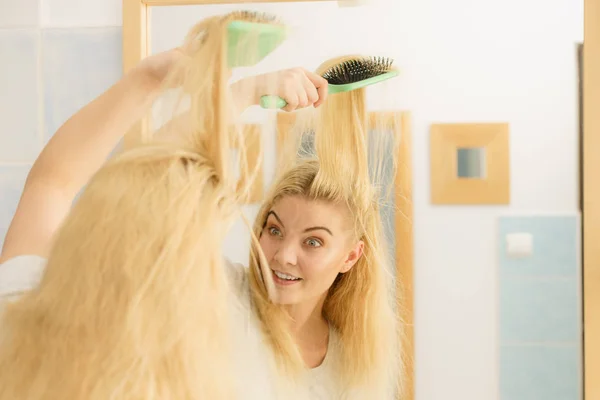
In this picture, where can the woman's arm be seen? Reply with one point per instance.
(83, 143)
(75, 152)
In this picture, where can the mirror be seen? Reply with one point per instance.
(465, 61)
(470, 163)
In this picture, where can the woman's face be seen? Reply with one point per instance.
(308, 243)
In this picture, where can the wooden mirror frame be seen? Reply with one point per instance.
(446, 186)
(591, 199)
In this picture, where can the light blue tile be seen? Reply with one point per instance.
(78, 65)
(12, 180)
(555, 246)
(540, 373)
(19, 137)
(539, 310)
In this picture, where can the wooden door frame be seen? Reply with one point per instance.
(591, 198)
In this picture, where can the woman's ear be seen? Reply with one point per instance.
(355, 254)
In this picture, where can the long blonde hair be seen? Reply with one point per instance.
(361, 305)
(133, 303)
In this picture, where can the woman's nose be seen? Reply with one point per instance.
(286, 254)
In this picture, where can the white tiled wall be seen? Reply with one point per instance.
(11, 183)
(19, 95)
(78, 13)
(88, 59)
(19, 13)
(56, 56)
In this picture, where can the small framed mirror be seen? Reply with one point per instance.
(469, 163)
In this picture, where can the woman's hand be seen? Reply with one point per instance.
(298, 87)
(157, 66)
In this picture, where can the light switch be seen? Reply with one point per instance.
(519, 245)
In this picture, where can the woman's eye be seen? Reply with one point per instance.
(273, 231)
(314, 243)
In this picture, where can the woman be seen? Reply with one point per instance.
(132, 292)
(321, 232)
(132, 300)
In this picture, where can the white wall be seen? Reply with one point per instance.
(496, 61)
(461, 61)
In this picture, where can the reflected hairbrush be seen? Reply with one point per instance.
(268, 33)
(251, 36)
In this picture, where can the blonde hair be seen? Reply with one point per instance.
(133, 303)
(361, 304)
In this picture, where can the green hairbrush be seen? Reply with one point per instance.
(251, 36)
(346, 76)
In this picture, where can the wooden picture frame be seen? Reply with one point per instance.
(447, 187)
(400, 123)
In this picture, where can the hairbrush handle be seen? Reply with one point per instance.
(270, 101)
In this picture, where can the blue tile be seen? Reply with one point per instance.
(540, 373)
(12, 180)
(555, 246)
(539, 310)
(20, 139)
(78, 65)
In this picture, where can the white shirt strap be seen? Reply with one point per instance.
(20, 274)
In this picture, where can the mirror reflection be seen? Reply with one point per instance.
(470, 163)
(129, 271)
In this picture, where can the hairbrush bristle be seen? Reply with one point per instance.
(253, 16)
(357, 70)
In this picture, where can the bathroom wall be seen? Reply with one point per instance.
(461, 61)
(57, 55)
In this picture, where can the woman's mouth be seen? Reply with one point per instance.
(285, 279)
